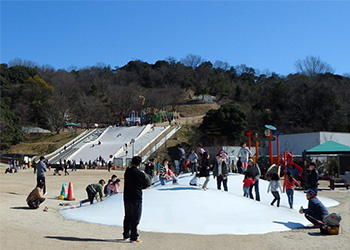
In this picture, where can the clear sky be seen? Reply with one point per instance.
(265, 35)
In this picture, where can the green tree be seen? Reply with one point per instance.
(226, 124)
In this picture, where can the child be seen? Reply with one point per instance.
(93, 190)
(36, 197)
(273, 186)
(288, 186)
(194, 180)
(247, 182)
(106, 190)
(114, 187)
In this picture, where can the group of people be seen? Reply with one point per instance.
(136, 180)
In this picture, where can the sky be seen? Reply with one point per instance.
(187, 209)
(266, 35)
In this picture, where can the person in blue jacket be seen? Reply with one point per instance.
(316, 211)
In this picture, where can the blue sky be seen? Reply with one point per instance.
(265, 35)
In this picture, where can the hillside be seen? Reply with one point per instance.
(41, 144)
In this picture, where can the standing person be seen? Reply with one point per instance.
(193, 158)
(93, 190)
(247, 182)
(200, 151)
(163, 172)
(220, 172)
(40, 172)
(182, 156)
(274, 185)
(204, 171)
(149, 168)
(254, 170)
(312, 178)
(243, 153)
(288, 187)
(36, 196)
(316, 211)
(134, 182)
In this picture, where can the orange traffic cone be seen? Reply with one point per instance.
(70, 196)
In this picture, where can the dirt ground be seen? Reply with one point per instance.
(23, 228)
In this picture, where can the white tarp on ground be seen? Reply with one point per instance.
(186, 209)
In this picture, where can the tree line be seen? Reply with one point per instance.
(314, 99)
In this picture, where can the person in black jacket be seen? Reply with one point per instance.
(134, 182)
(312, 178)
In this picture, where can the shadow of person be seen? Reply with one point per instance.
(23, 208)
(290, 224)
(70, 238)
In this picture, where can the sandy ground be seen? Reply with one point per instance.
(23, 228)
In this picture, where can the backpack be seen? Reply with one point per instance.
(332, 219)
(331, 224)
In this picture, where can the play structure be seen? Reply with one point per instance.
(279, 163)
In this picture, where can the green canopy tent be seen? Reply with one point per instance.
(330, 148)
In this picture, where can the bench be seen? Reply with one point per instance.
(338, 182)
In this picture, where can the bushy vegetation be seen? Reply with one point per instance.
(48, 98)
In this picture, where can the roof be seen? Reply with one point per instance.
(329, 147)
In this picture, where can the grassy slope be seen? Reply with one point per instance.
(41, 144)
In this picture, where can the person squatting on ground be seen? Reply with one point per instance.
(312, 178)
(40, 172)
(288, 187)
(254, 170)
(204, 170)
(274, 185)
(93, 191)
(36, 196)
(316, 211)
(194, 180)
(243, 154)
(134, 182)
(220, 172)
(247, 182)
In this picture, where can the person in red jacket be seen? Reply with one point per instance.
(247, 182)
(288, 187)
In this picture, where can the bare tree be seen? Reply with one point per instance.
(192, 61)
(312, 66)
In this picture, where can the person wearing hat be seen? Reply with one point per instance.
(134, 182)
(40, 172)
(316, 211)
(312, 178)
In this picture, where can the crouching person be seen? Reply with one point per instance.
(36, 197)
(316, 211)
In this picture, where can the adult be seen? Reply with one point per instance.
(220, 172)
(193, 158)
(149, 168)
(36, 196)
(163, 172)
(254, 170)
(40, 172)
(312, 178)
(243, 154)
(182, 156)
(134, 182)
(316, 211)
(204, 171)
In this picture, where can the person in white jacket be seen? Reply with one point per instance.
(243, 154)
